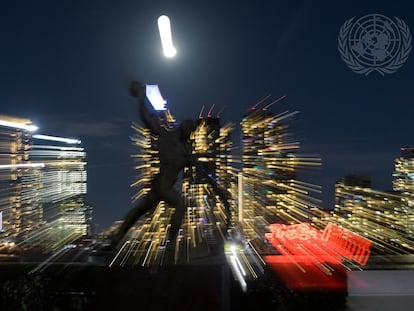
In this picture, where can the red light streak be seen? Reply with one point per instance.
(306, 251)
(210, 111)
(200, 116)
(272, 103)
(259, 102)
(311, 259)
(221, 110)
(329, 246)
(348, 244)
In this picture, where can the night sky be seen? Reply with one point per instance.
(67, 66)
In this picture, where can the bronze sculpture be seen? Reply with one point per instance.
(175, 153)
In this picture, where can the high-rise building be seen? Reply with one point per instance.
(272, 191)
(44, 179)
(90, 228)
(206, 186)
(20, 208)
(404, 183)
(63, 187)
(374, 214)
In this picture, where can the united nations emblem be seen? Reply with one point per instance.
(374, 42)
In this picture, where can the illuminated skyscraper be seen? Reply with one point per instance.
(147, 161)
(90, 228)
(206, 143)
(272, 192)
(20, 208)
(208, 211)
(43, 186)
(63, 188)
(378, 215)
(404, 183)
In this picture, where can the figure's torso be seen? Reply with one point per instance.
(172, 150)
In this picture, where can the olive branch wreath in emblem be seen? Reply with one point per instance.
(391, 67)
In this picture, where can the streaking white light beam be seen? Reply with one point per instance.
(55, 256)
(119, 252)
(61, 139)
(24, 126)
(28, 165)
(154, 96)
(164, 27)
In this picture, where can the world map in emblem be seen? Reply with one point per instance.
(374, 42)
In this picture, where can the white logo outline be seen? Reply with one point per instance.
(358, 62)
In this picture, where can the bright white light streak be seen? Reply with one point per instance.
(55, 138)
(72, 154)
(52, 258)
(28, 165)
(127, 253)
(154, 96)
(24, 126)
(240, 195)
(164, 27)
(66, 163)
(239, 276)
(117, 255)
(233, 251)
(257, 254)
(147, 254)
(57, 148)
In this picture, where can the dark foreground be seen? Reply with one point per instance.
(180, 287)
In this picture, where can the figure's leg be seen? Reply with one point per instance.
(177, 218)
(173, 198)
(147, 203)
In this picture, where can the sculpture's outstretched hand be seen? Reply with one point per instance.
(137, 89)
(148, 116)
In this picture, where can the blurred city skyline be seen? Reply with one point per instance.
(67, 67)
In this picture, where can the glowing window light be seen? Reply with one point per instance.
(24, 126)
(28, 165)
(67, 163)
(154, 96)
(57, 148)
(55, 138)
(164, 27)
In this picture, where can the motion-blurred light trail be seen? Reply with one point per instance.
(164, 27)
(25, 125)
(23, 165)
(60, 139)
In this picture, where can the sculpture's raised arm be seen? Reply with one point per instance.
(148, 116)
